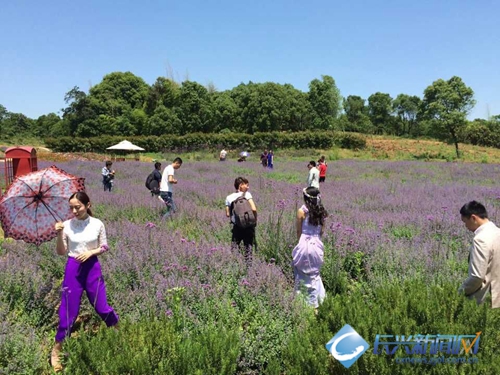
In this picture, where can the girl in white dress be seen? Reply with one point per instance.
(308, 254)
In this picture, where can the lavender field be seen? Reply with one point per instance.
(395, 253)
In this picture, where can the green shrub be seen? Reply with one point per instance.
(351, 141)
(154, 346)
(19, 347)
(214, 141)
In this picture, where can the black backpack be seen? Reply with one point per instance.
(243, 214)
(150, 179)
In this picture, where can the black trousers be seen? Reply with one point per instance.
(247, 236)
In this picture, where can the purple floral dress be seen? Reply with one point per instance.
(307, 261)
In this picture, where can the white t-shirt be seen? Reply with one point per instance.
(82, 235)
(165, 185)
(232, 197)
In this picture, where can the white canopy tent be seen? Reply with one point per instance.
(125, 146)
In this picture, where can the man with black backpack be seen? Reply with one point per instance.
(154, 179)
(241, 210)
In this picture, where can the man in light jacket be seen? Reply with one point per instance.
(313, 176)
(484, 258)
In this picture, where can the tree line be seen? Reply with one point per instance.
(123, 104)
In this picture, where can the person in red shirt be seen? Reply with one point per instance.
(322, 167)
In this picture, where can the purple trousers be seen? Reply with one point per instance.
(77, 278)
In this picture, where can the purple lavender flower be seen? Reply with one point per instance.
(150, 225)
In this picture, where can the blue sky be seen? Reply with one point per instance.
(391, 46)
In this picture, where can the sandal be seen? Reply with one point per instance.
(55, 361)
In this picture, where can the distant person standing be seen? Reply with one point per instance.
(167, 186)
(108, 176)
(263, 158)
(313, 176)
(270, 159)
(322, 167)
(484, 257)
(222, 155)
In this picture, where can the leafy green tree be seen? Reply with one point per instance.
(495, 122)
(446, 105)
(478, 132)
(266, 108)
(15, 124)
(78, 111)
(356, 113)
(3, 112)
(194, 109)
(325, 100)
(46, 124)
(123, 126)
(380, 109)
(225, 112)
(5, 130)
(163, 92)
(241, 96)
(59, 129)
(481, 132)
(164, 121)
(119, 92)
(138, 118)
(299, 110)
(108, 106)
(406, 108)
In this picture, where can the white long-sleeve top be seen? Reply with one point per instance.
(82, 235)
(313, 178)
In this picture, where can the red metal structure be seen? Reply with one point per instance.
(19, 161)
